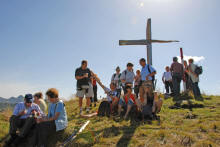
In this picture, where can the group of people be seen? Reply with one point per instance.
(31, 124)
(127, 91)
(173, 76)
(120, 93)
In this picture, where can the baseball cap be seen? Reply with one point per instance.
(28, 98)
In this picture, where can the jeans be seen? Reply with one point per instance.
(196, 90)
(168, 86)
(177, 77)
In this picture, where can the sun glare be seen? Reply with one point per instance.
(141, 4)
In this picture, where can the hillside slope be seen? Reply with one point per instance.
(195, 124)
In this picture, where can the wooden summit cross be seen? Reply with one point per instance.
(148, 42)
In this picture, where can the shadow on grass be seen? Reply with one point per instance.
(189, 106)
(128, 132)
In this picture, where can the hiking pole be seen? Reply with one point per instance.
(74, 135)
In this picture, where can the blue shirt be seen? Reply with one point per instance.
(145, 72)
(128, 76)
(61, 122)
(21, 107)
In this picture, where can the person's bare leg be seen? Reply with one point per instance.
(141, 94)
(128, 110)
(88, 102)
(119, 110)
(80, 104)
(159, 105)
(138, 103)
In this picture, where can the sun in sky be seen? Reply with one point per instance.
(141, 4)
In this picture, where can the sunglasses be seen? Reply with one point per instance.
(29, 102)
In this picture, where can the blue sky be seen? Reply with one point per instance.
(42, 42)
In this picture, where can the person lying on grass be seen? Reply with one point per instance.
(126, 102)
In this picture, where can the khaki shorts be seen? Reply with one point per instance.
(86, 91)
(142, 91)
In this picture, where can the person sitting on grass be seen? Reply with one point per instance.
(112, 93)
(22, 120)
(38, 99)
(56, 120)
(127, 102)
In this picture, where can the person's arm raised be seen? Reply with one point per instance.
(97, 80)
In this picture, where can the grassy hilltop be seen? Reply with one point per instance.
(196, 124)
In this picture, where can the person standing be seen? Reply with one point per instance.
(167, 80)
(95, 88)
(84, 85)
(195, 79)
(127, 77)
(177, 74)
(116, 80)
(147, 74)
(137, 82)
(187, 77)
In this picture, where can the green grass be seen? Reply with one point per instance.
(195, 127)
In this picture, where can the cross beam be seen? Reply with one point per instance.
(148, 42)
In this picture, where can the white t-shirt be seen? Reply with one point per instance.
(167, 76)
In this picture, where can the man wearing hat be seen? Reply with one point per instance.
(22, 119)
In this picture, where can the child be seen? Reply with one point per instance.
(127, 102)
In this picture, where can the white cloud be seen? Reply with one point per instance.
(195, 58)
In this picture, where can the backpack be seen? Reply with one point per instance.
(118, 75)
(119, 81)
(104, 109)
(147, 111)
(153, 77)
(198, 70)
